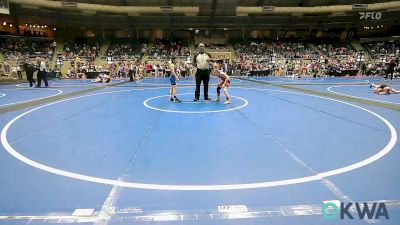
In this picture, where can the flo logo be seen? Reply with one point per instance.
(370, 15)
(364, 210)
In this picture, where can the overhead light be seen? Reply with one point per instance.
(54, 28)
(225, 28)
(45, 26)
(4, 23)
(381, 25)
(34, 26)
(190, 28)
(11, 25)
(30, 25)
(26, 24)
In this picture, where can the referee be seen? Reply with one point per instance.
(390, 69)
(29, 70)
(41, 75)
(202, 62)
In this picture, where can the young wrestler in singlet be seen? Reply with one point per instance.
(383, 89)
(223, 83)
(173, 78)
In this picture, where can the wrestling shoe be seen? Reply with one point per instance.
(177, 99)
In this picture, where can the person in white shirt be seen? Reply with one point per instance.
(19, 71)
(202, 62)
(154, 71)
(132, 71)
(42, 73)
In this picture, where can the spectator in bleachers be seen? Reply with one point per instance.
(21, 49)
(124, 50)
(165, 48)
(386, 49)
(81, 51)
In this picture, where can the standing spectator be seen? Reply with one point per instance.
(132, 71)
(140, 71)
(148, 68)
(19, 71)
(121, 71)
(224, 67)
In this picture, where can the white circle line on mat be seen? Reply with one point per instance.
(30, 100)
(212, 187)
(145, 103)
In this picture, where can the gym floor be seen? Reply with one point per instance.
(124, 154)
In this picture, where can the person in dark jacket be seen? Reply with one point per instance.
(29, 70)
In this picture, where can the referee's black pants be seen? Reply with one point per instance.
(42, 76)
(389, 73)
(29, 76)
(202, 75)
(130, 75)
